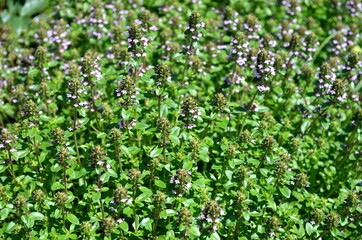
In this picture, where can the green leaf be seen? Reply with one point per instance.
(169, 102)
(56, 186)
(83, 121)
(160, 184)
(174, 140)
(146, 223)
(105, 177)
(82, 112)
(125, 150)
(10, 227)
(112, 173)
(25, 220)
(96, 196)
(285, 191)
(4, 213)
(71, 173)
(170, 212)
(156, 152)
(272, 203)
(32, 7)
(164, 110)
(309, 228)
(128, 211)
(301, 231)
(215, 236)
(72, 218)
(229, 174)
(305, 125)
(101, 135)
(194, 231)
(255, 214)
(36, 216)
(136, 223)
(143, 196)
(57, 213)
(141, 126)
(124, 226)
(125, 114)
(246, 215)
(21, 154)
(133, 150)
(187, 165)
(19, 23)
(278, 90)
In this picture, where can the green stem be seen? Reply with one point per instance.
(314, 121)
(11, 166)
(186, 63)
(102, 208)
(159, 105)
(236, 229)
(164, 147)
(75, 136)
(252, 101)
(94, 107)
(117, 155)
(65, 178)
(324, 43)
(242, 124)
(154, 228)
(37, 154)
(63, 219)
(134, 202)
(232, 83)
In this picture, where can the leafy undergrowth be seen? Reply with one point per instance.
(182, 120)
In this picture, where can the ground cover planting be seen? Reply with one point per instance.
(180, 119)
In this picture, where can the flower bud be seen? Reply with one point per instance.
(61, 198)
(58, 137)
(163, 126)
(41, 56)
(63, 155)
(332, 220)
(268, 143)
(134, 175)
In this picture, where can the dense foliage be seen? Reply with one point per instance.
(181, 120)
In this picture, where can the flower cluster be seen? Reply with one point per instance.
(264, 69)
(162, 74)
(194, 26)
(230, 19)
(76, 87)
(126, 123)
(293, 6)
(181, 181)
(91, 68)
(120, 196)
(252, 27)
(126, 92)
(282, 166)
(58, 35)
(96, 22)
(354, 7)
(345, 36)
(211, 214)
(97, 157)
(7, 140)
(189, 112)
(137, 42)
(239, 49)
(329, 85)
(309, 46)
(219, 102)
